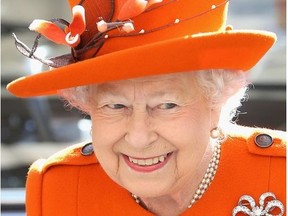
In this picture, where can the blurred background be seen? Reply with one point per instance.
(38, 127)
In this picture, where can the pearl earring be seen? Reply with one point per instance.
(217, 133)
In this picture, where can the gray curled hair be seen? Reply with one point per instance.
(225, 88)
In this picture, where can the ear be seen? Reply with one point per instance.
(215, 115)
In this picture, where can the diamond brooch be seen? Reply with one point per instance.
(267, 202)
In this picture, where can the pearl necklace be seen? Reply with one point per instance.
(209, 174)
(206, 181)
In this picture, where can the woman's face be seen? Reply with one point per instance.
(150, 134)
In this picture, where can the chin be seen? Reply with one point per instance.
(148, 187)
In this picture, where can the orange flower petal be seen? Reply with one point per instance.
(72, 41)
(151, 2)
(132, 8)
(50, 30)
(78, 24)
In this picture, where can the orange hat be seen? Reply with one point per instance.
(123, 39)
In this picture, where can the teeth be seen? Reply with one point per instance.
(148, 162)
(155, 160)
(162, 158)
(141, 162)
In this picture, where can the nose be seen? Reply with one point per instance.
(140, 130)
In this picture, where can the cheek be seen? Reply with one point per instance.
(105, 137)
(186, 129)
(105, 155)
(106, 133)
(189, 133)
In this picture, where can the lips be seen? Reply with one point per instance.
(147, 164)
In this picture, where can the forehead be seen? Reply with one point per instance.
(163, 83)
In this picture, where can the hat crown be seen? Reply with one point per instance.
(169, 36)
(163, 21)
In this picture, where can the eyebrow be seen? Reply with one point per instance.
(177, 89)
(114, 90)
(161, 94)
(108, 90)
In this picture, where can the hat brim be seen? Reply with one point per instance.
(236, 50)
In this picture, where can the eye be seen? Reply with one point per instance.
(116, 106)
(167, 106)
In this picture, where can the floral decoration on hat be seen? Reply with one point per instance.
(71, 34)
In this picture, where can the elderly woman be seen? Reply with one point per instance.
(160, 80)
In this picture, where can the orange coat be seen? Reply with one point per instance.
(69, 183)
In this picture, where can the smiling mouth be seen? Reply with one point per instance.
(147, 164)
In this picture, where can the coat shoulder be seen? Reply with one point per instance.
(74, 155)
(259, 141)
